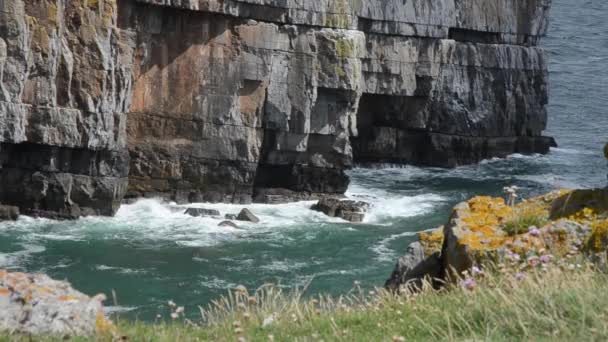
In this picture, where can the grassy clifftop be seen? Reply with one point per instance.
(555, 302)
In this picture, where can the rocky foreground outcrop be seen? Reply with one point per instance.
(38, 305)
(485, 232)
(262, 100)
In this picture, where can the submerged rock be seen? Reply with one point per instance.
(353, 211)
(247, 215)
(196, 212)
(8, 213)
(38, 305)
(228, 224)
(231, 216)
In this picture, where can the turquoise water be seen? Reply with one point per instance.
(151, 253)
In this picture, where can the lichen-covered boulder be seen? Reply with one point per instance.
(485, 230)
(472, 229)
(571, 202)
(36, 304)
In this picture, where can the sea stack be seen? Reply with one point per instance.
(221, 101)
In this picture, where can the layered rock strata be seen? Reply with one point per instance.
(65, 85)
(262, 100)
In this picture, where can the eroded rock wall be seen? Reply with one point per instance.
(271, 99)
(265, 100)
(65, 84)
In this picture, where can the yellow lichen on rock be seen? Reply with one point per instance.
(481, 220)
(431, 241)
(598, 240)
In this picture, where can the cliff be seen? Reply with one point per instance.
(265, 100)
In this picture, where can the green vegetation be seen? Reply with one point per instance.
(560, 301)
(526, 215)
(522, 224)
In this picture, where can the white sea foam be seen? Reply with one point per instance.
(15, 259)
(216, 283)
(283, 266)
(388, 205)
(123, 270)
(383, 252)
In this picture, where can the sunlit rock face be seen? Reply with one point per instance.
(257, 100)
(65, 85)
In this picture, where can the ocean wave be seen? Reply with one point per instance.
(122, 270)
(382, 250)
(16, 259)
(283, 266)
(216, 283)
(387, 205)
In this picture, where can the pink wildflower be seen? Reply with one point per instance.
(534, 232)
(545, 259)
(520, 276)
(469, 284)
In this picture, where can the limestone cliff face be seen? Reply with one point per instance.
(261, 100)
(65, 85)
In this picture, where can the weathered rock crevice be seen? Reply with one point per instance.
(265, 100)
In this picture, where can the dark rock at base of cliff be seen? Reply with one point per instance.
(353, 211)
(414, 267)
(8, 213)
(69, 183)
(389, 145)
(247, 215)
(282, 196)
(196, 212)
(227, 224)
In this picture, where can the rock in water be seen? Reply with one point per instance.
(196, 212)
(231, 216)
(227, 224)
(8, 213)
(353, 211)
(36, 304)
(247, 215)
